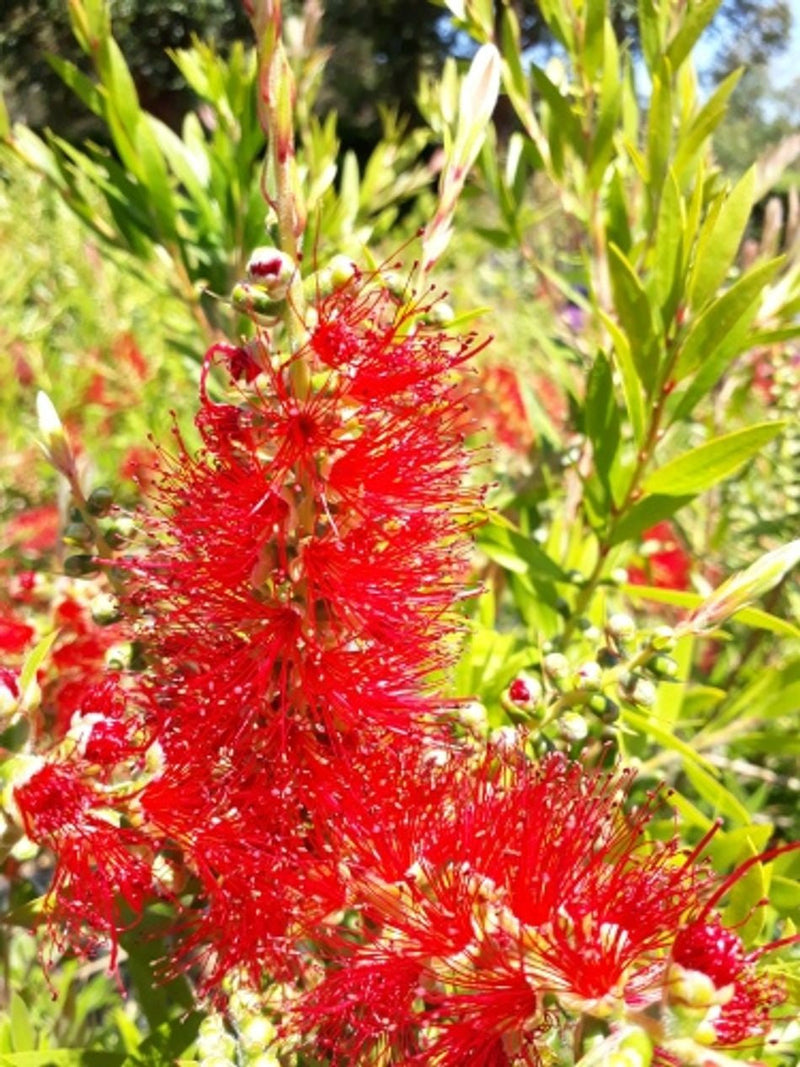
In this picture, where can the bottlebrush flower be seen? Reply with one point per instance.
(312, 553)
(488, 895)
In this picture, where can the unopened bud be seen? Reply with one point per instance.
(621, 628)
(638, 690)
(604, 707)
(81, 566)
(589, 675)
(663, 666)
(119, 657)
(525, 691)
(253, 299)
(256, 1033)
(439, 315)
(99, 501)
(663, 639)
(77, 533)
(691, 990)
(54, 439)
(741, 589)
(473, 715)
(555, 665)
(271, 270)
(341, 271)
(105, 609)
(572, 726)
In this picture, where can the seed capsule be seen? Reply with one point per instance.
(100, 501)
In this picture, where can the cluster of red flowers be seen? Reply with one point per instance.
(282, 771)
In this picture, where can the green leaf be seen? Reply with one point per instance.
(650, 33)
(670, 227)
(602, 418)
(608, 114)
(680, 598)
(23, 1037)
(703, 125)
(518, 553)
(712, 462)
(155, 176)
(709, 331)
(646, 513)
(63, 1057)
(745, 910)
(694, 19)
(5, 122)
(719, 240)
(720, 799)
(166, 1043)
(595, 55)
(650, 726)
(659, 130)
(34, 660)
(635, 315)
(83, 87)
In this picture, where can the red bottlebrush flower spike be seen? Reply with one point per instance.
(314, 551)
(668, 566)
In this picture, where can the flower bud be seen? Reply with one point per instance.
(99, 501)
(621, 628)
(473, 715)
(9, 692)
(54, 441)
(341, 271)
(81, 566)
(252, 299)
(525, 691)
(663, 639)
(663, 666)
(572, 726)
(119, 657)
(256, 1033)
(589, 675)
(271, 270)
(638, 690)
(439, 315)
(604, 707)
(105, 609)
(77, 533)
(555, 665)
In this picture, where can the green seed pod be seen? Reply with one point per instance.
(604, 707)
(81, 566)
(100, 501)
(607, 658)
(77, 533)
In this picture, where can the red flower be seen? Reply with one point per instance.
(665, 563)
(15, 635)
(101, 865)
(486, 892)
(313, 551)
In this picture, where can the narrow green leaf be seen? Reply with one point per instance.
(720, 799)
(518, 553)
(694, 20)
(34, 660)
(119, 85)
(602, 150)
(594, 54)
(650, 33)
(691, 141)
(712, 462)
(602, 418)
(719, 241)
(635, 315)
(710, 329)
(745, 910)
(23, 1037)
(631, 385)
(670, 228)
(156, 177)
(659, 130)
(650, 726)
(646, 512)
(83, 87)
(679, 598)
(63, 1057)
(5, 122)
